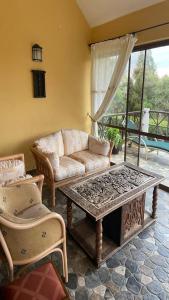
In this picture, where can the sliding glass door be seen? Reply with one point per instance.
(140, 110)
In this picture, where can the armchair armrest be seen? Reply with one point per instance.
(19, 156)
(97, 146)
(43, 164)
(20, 224)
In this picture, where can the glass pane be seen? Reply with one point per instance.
(134, 105)
(156, 92)
(132, 148)
(156, 111)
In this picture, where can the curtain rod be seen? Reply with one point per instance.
(134, 32)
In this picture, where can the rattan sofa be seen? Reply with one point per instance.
(67, 154)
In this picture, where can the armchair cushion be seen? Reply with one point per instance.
(97, 146)
(51, 143)
(68, 167)
(91, 160)
(18, 198)
(11, 181)
(74, 140)
(11, 169)
(34, 211)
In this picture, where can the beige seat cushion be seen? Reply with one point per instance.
(11, 169)
(34, 211)
(74, 140)
(51, 143)
(68, 167)
(91, 160)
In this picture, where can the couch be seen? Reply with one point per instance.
(67, 154)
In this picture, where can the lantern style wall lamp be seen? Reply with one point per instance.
(36, 52)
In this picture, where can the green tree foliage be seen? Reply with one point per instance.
(156, 89)
(150, 84)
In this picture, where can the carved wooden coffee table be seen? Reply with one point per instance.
(114, 203)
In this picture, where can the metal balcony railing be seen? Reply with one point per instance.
(153, 121)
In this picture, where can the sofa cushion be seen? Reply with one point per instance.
(51, 143)
(11, 170)
(91, 160)
(68, 167)
(97, 146)
(74, 140)
(53, 158)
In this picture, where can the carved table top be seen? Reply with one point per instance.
(105, 191)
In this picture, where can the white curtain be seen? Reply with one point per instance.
(109, 60)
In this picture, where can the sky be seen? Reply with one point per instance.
(161, 59)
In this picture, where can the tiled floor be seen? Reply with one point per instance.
(140, 270)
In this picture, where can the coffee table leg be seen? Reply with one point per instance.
(154, 203)
(69, 214)
(99, 235)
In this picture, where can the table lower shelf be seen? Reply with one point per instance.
(84, 233)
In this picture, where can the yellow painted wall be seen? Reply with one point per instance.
(147, 17)
(59, 27)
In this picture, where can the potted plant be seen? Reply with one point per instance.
(114, 137)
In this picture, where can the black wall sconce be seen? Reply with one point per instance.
(39, 89)
(36, 52)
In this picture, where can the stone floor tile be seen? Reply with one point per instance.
(161, 275)
(118, 279)
(124, 296)
(163, 251)
(104, 274)
(138, 243)
(158, 260)
(131, 265)
(72, 283)
(95, 296)
(108, 295)
(112, 287)
(120, 270)
(137, 255)
(100, 290)
(146, 270)
(146, 279)
(133, 286)
(92, 279)
(82, 294)
(149, 296)
(154, 287)
(112, 262)
(81, 281)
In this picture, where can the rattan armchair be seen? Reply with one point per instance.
(29, 231)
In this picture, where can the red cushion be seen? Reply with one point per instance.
(40, 284)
